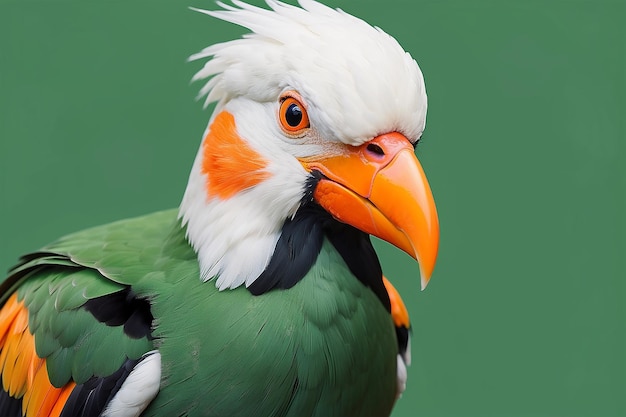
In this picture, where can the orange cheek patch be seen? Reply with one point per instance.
(228, 161)
(24, 374)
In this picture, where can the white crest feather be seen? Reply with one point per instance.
(357, 79)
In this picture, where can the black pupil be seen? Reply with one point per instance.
(293, 116)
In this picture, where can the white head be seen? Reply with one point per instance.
(353, 81)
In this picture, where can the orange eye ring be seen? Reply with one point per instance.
(293, 116)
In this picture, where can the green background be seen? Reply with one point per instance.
(524, 149)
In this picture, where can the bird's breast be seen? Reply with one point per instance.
(325, 347)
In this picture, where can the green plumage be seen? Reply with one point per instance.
(325, 347)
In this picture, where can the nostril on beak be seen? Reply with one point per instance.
(375, 149)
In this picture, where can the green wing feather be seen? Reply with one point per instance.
(326, 347)
(54, 284)
(73, 342)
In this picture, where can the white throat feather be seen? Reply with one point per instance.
(235, 237)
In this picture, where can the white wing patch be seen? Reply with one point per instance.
(403, 362)
(402, 376)
(139, 388)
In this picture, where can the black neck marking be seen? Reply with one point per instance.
(301, 241)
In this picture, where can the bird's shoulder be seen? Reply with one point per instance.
(76, 316)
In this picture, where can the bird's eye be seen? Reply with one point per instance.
(293, 116)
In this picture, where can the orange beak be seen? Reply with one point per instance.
(381, 189)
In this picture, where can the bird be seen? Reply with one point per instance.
(261, 294)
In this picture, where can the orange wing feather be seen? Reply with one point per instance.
(24, 374)
(399, 313)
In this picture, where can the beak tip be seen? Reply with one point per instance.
(424, 279)
(426, 265)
